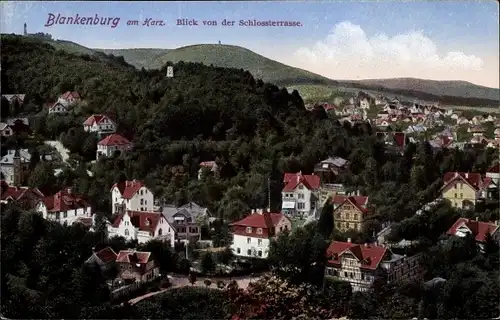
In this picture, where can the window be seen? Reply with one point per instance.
(301, 205)
(126, 232)
(142, 202)
(142, 192)
(249, 229)
(461, 195)
(160, 232)
(65, 214)
(347, 215)
(301, 196)
(351, 275)
(456, 186)
(249, 240)
(259, 230)
(249, 252)
(259, 242)
(337, 215)
(345, 274)
(260, 253)
(455, 195)
(130, 267)
(142, 209)
(301, 187)
(356, 216)
(238, 250)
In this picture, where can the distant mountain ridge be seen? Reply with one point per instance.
(273, 71)
(456, 88)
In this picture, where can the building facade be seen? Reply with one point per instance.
(252, 234)
(131, 195)
(300, 195)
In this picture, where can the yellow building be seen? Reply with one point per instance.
(464, 189)
(349, 212)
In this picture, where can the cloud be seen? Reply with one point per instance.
(348, 53)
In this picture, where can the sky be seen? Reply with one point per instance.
(439, 40)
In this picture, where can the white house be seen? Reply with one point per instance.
(100, 124)
(69, 98)
(131, 195)
(58, 108)
(300, 194)
(252, 234)
(142, 226)
(364, 104)
(111, 144)
(64, 207)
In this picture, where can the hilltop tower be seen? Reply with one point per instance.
(25, 29)
(18, 169)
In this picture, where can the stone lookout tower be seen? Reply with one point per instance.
(25, 29)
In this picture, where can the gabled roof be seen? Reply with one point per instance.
(473, 179)
(96, 119)
(16, 193)
(369, 255)
(9, 97)
(292, 180)
(114, 140)
(70, 94)
(64, 200)
(478, 229)
(128, 188)
(208, 164)
(336, 161)
(132, 256)
(106, 255)
(143, 220)
(359, 202)
(266, 220)
(58, 103)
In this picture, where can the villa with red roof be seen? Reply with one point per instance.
(99, 123)
(112, 144)
(64, 207)
(142, 226)
(252, 234)
(136, 266)
(349, 212)
(300, 194)
(464, 189)
(362, 264)
(131, 195)
(26, 198)
(207, 167)
(476, 228)
(69, 98)
(104, 258)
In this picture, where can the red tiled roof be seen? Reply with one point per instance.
(16, 193)
(143, 220)
(95, 118)
(128, 188)
(369, 255)
(478, 229)
(114, 140)
(106, 255)
(474, 179)
(86, 221)
(208, 164)
(292, 180)
(69, 94)
(257, 220)
(359, 202)
(400, 138)
(494, 169)
(329, 107)
(132, 256)
(64, 201)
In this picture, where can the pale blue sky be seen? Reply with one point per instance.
(466, 26)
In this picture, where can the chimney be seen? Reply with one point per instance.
(268, 209)
(358, 193)
(366, 244)
(477, 218)
(456, 174)
(253, 211)
(349, 240)
(298, 177)
(466, 175)
(69, 190)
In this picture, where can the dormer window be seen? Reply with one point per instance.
(259, 230)
(249, 229)
(147, 222)
(301, 187)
